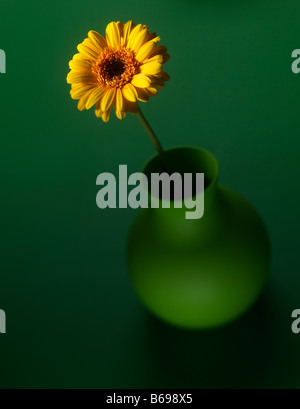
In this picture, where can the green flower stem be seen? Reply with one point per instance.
(154, 140)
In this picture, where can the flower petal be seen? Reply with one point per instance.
(132, 107)
(87, 51)
(145, 50)
(166, 57)
(113, 35)
(128, 27)
(97, 39)
(79, 56)
(80, 77)
(160, 50)
(80, 65)
(75, 87)
(158, 84)
(88, 42)
(106, 115)
(95, 96)
(120, 26)
(151, 91)
(162, 76)
(141, 81)
(151, 36)
(151, 68)
(137, 29)
(119, 100)
(107, 99)
(98, 111)
(82, 101)
(138, 40)
(165, 77)
(78, 92)
(156, 58)
(120, 115)
(142, 94)
(129, 93)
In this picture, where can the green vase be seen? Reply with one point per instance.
(198, 273)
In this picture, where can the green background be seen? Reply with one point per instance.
(73, 319)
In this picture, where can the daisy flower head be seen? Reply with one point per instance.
(119, 70)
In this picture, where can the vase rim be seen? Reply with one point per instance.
(212, 181)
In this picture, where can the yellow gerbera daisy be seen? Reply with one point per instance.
(117, 71)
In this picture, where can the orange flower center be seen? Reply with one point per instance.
(116, 68)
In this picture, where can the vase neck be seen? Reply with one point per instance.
(195, 165)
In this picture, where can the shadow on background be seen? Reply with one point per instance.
(234, 356)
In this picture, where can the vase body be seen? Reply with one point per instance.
(198, 273)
